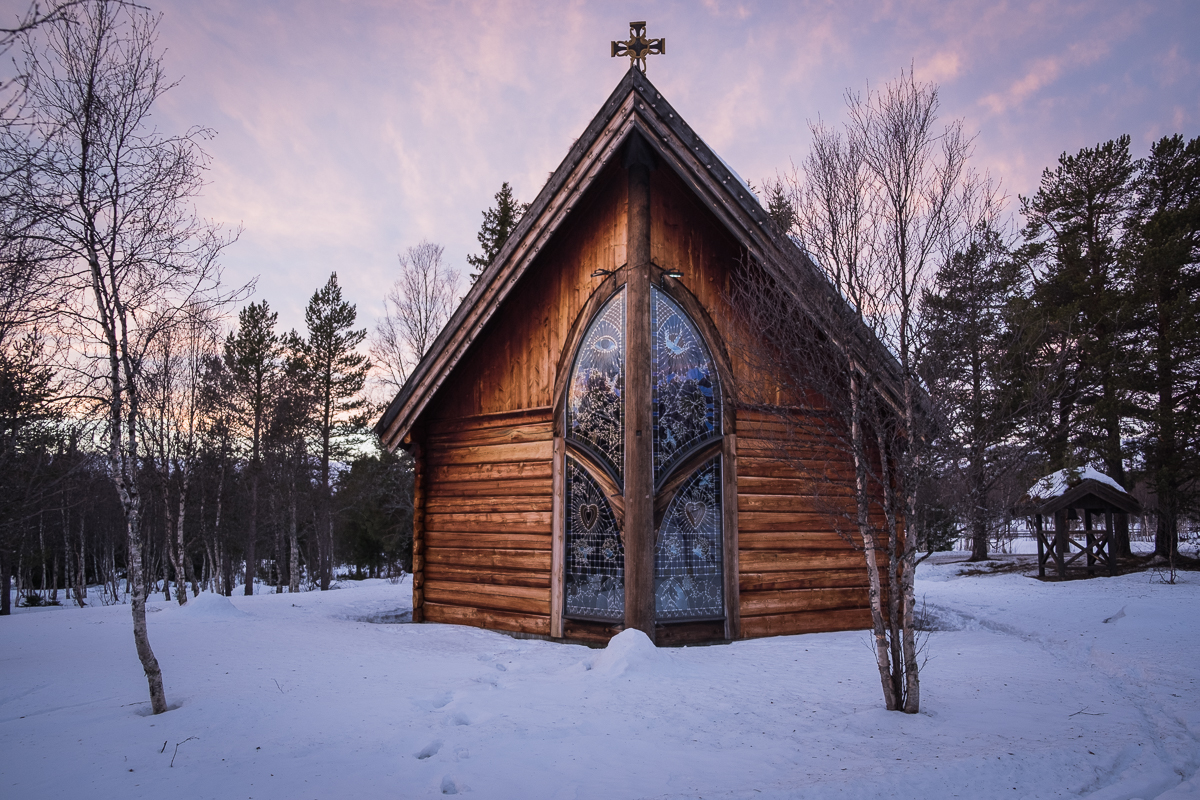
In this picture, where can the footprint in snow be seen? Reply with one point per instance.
(460, 719)
(429, 750)
(443, 700)
(450, 786)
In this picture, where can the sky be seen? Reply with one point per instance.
(346, 132)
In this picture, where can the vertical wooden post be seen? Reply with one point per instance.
(1109, 542)
(1060, 543)
(1091, 542)
(1041, 537)
(418, 565)
(558, 536)
(639, 440)
(729, 500)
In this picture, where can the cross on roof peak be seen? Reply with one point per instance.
(638, 46)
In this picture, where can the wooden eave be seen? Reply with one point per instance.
(634, 105)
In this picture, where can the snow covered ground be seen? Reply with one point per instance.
(1087, 688)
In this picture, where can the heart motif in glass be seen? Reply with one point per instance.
(588, 514)
(695, 513)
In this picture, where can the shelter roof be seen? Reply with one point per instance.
(635, 105)
(1085, 488)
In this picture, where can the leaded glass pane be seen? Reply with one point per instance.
(685, 389)
(595, 406)
(595, 573)
(688, 554)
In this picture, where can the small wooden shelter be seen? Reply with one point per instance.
(1061, 497)
(583, 461)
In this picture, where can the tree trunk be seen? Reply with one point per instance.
(293, 544)
(5, 583)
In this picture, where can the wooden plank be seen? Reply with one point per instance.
(503, 559)
(732, 537)
(558, 543)
(795, 540)
(457, 473)
(803, 579)
(847, 619)
(685, 633)
(539, 593)
(753, 484)
(496, 503)
(512, 487)
(515, 521)
(438, 593)
(639, 442)
(790, 601)
(517, 434)
(811, 504)
(810, 470)
(595, 634)
(779, 561)
(488, 618)
(760, 521)
(487, 540)
(503, 419)
(487, 575)
(418, 565)
(492, 454)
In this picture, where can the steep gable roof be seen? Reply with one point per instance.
(634, 105)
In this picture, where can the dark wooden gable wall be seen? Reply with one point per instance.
(484, 534)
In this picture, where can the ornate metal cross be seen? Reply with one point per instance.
(638, 46)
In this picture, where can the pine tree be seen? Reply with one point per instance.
(498, 224)
(1163, 252)
(336, 374)
(968, 345)
(252, 355)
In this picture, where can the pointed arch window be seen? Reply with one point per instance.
(686, 418)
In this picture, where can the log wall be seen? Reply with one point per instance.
(487, 531)
(799, 569)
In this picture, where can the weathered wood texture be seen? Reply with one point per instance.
(487, 521)
(799, 569)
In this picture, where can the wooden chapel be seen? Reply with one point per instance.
(583, 463)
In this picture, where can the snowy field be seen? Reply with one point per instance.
(1081, 689)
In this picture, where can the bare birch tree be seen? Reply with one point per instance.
(414, 311)
(878, 204)
(112, 195)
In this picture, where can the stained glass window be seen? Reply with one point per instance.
(688, 555)
(685, 389)
(595, 403)
(595, 569)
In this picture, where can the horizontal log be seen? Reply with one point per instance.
(684, 633)
(803, 579)
(588, 632)
(790, 450)
(518, 434)
(502, 419)
(847, 619)
(487, 540)
(499, 590)
(538, 560)
(790, 601)
(780, 561)
(811, 470)
(491, 454)
(754, 484)
(790, 504)
(532, 522)
(458, 473)
(794, 540)
(510, 487)
(487, 618)
(438, 593)
(495, 503)
(488, 575)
